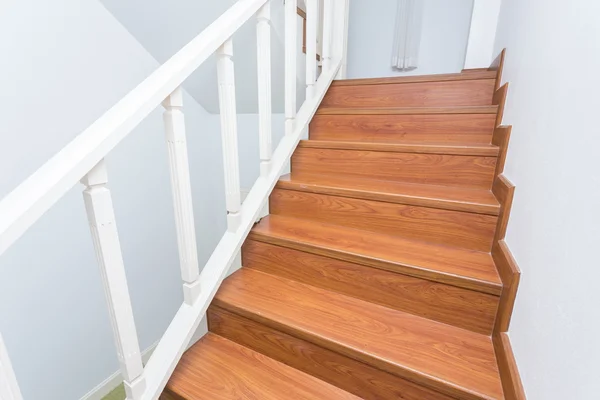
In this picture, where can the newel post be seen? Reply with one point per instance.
(101, 218)
(312, 17)
(291, 37)
(263, 32)
(182, 194)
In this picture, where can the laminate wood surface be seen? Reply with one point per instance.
(509, 373)
(464, 308)
(501, 138)
(218, 369)
(482, 74)
(407, 128)
(399, 110)
(420, 94)
(444, 197)
(466, 149)
(504, 191)
(432, 169)
(451, 360)
(344, 372)
(452, 228)
(510, 274)
(497, 66)
(455, 266)
(499, 99)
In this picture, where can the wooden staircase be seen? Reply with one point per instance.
(381, 271)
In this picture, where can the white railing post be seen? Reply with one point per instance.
(341, 36)
(9, 388)
(101, 218)
(312, 18)
(263, 32)
(291, 37)
(225, 77)
(328, 26)
(182, 194)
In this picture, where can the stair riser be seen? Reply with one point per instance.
(455, 228)
(460, 307)
(439, 128)
(332, 367)
(433, 169)
(424, 94)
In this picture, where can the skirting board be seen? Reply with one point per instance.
(110, 383)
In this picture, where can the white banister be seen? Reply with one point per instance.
(312, 18)
(9, 388)
(263, 33)
(182, 194)
(101, 218)
(291, 49)
(225, 77)
(328, 31)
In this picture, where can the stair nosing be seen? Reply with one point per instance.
(479, 75)
(492, 109)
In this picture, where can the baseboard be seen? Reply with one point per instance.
(509, 373)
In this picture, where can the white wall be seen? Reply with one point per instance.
(480, 47)
(371, 36)
(552, 65)
(65, 62)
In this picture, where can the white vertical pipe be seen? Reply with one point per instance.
(9, 388)
(291, 51)
(328, 26)
(225, 77)
(101, 218)
(263, 33)
(181, 189)
(312, 18)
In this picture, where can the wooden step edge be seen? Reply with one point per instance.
(471, 70)
(399, 198)
(507, 366)
(407, 110)
(416, 271)
(485, 150)
(358, 354)
(475, 75)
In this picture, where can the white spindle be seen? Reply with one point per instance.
(9, 388)
(312, 18)
(291, 37)
(341, 36)
(182, 194)
(98, 204)
(263, 32)
(225, 77)
(328, 27)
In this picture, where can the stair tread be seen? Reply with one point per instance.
(455, 266)
(471, 149)
(449, 359)
(218, 369)
(447, 197)
(408, 110)
(416, 78)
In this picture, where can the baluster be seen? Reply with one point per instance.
(341, 36)
(101, 218)
(328, 21)
(312, 17)
(182, 194)
(225, 77)
(263, 33)
(9, 388)
(291, 37)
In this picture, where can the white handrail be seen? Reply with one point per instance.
(30, 200)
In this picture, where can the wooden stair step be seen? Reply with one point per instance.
(465, 149)
(450, 265)
(483, 74)
(436, 196)
(440, 357)
(218, 369)
(489, 109)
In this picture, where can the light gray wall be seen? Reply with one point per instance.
(552, 67)
(65, 62)
(371, 36)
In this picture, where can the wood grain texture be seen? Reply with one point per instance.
(422, 94)
(454, 266)
(218, 369)
(466, 149)
(504, 191)
(463, 308)
(408, 128)
(452, 228)
(451, 360)
(498, 65)
(509, 373)
(491, 109)
(443, 197)
(483, 74)
(510, 274)
(471, 70)
(501, 138)
(432, 169)
(499, 100)
(344, 372)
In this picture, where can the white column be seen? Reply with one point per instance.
(328, 27)
(263, 32)
(182, 195)
(101, 217)
(9, 388)
(290, 63)
(312, 18)
(225, 77)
